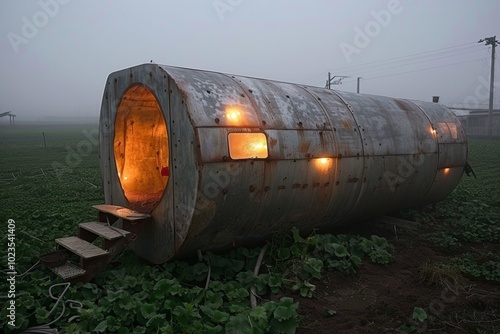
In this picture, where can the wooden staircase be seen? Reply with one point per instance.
(112, 240)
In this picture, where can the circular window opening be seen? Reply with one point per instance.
(141, 148)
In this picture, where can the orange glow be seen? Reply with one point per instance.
(323, 164)
(141, 148)
(453, 130)
(245, 145)
(446, 171)
(433, 131)
(233, 115)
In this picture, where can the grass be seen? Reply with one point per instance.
(47, 191)
(484, 157)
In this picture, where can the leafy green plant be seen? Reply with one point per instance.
(419, 314)
(305, 288)
(489, 269)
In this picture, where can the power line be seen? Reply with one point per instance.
(418, 70)
(483, 73)
(388, 61)
(437, 51)
(417, 62)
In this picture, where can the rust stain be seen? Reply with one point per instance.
(251, 188)
(281, 187)
(323, 141)
(296, 185)
(272, 142)
(402, 104)
(346, 124)
(352, 180)
(315, 184)
(304, 146)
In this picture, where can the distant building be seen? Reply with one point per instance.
(475, 122)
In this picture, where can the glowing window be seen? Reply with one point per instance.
(244, 145)
(443, 129)
(141, 148)
(453, 130)
(448, 129)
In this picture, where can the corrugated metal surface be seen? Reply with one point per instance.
(381, 154)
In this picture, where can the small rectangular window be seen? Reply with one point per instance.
(247, 145)
(443, 129)
(453, 130)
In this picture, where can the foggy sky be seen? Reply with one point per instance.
(56, 54)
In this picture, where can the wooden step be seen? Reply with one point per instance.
(69, 271)
(103, 230)
(121, 212)
(81, 247)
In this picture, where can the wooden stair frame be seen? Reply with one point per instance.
(93, 258)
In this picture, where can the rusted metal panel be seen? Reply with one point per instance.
(300, 144)
(219, 215)
(386, 127)
(347, 139)
(214, 143)
(441, 185)
(208, 95)
(285, 106)
(331, 157)
(451, 155)
(156, 241)
(282, 144)
(294, 193)
(185, 156)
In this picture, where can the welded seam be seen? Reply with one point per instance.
(361, 188)
(436, 139)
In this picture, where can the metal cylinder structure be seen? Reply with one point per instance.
(221, 159)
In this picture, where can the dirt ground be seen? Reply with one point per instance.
(381, 299)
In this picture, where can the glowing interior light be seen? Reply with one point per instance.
(323, 164)
(233, 114)
(446, 171)
(258, 146)
(245, 145)
(453, 130)
(125, 178)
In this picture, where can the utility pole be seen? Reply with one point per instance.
(330, 81)
(357, 90)
(493, 42)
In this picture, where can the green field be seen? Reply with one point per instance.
(47, 189)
